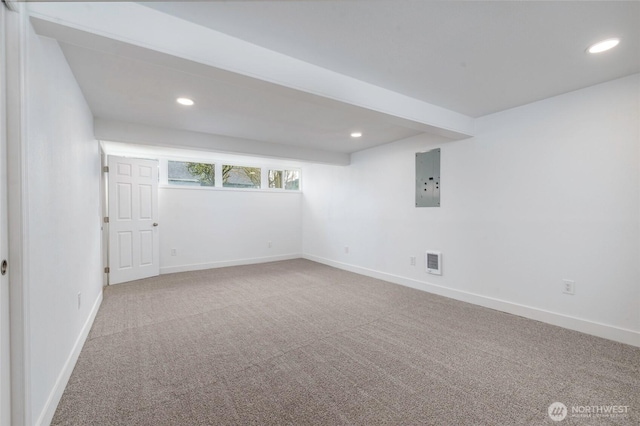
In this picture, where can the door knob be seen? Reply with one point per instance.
(155, 224)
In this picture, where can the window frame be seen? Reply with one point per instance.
(218, 179)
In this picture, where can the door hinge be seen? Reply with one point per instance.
(105, 169)
(106, 219)
(11, 5)
(106, 270)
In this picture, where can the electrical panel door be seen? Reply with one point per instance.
(428, 178)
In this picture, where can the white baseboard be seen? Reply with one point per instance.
(605, 331)
(224, 263)
(63, 378)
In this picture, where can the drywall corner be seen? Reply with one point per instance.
(63, 378)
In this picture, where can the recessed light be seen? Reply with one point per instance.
(184, 101)
(356, 134)
(604, 45)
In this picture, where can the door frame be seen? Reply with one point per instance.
(15, 38)
(5, 348)
(104, 212)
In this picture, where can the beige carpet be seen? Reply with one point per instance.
(299, 343)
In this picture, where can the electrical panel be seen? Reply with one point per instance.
(428, 178)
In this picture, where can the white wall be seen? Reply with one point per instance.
(221, 227)
(544, 192)
(63, 229)
(216, 227)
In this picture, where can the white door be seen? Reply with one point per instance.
(5, 371)
(133, 219)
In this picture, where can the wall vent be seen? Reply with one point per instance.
(433, 261)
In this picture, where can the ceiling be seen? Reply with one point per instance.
(475, 57)
(465, 58)
(127, 89)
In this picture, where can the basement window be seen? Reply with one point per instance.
(284, 179)
(241, 176)
(217, 174)
(292, 179)
(191, 174)
(275, 179)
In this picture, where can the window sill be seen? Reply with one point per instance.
(225, 189)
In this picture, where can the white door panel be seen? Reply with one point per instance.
(124, 201)
(133, 219)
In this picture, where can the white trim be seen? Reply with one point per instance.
(229, 188)
(622, 335)
(224, 263)
(17, 39)
(63, 378)
(5, 349)
(104, 212)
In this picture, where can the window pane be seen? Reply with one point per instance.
(292, 179)
(240, 176)
(192, 174)
(275, 178)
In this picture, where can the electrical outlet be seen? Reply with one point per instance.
(174, 252)
(79, 300)
(412, 260)
(269, 244)
(346, 249)
(569, 287)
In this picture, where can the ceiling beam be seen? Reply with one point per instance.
(139, 25)
(142, 134)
